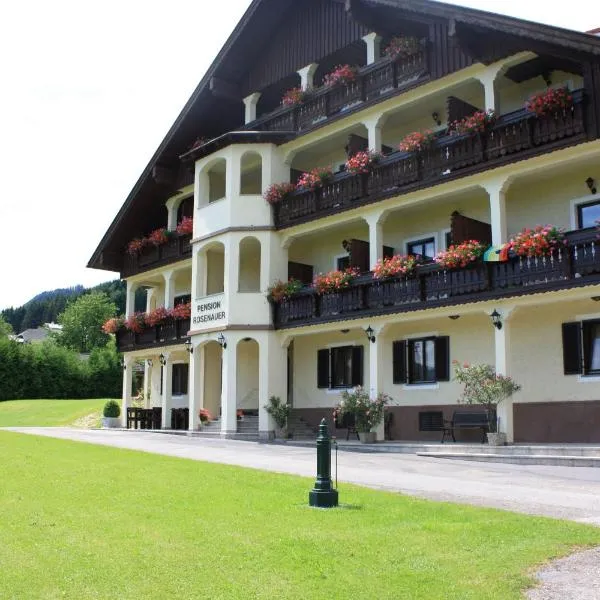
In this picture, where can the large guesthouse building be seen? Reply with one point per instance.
(350, 197)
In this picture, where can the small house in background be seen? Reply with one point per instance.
(37, 335)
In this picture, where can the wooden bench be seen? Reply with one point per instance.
(467, 419)
(144, 418)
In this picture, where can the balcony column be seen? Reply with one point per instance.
(148, 366)
(198, 289)
(229, 387)
(502, 366)
(232, 266)
(172, 205)
(307, 76)
(167, 388)
(374, 128)
(149, 298)
(497, 194)
(127, 385)
(375, 222)
(195, 386)
(373, 42)
(376, 366)
(169, 277)
(130, 298)
(272, 380)
(250, 103)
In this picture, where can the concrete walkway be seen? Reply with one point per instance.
(562, 492)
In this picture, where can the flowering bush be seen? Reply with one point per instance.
(539, 241)
(136, 245)
(482, 385)
(205, 415)
(278, 191)
(181, 311)
(362, 162)
(315, 178)
(478, 122)
(185, 226)
(334, 280)
(394, 266)
(113, 325)
(460, 255)
(293, 97)
(416, 141)
(136, 322)
(341, 75)
(160, 236)
(367, 412)
(281, 290)
(402, 46)
(157, 316)
(550, 101)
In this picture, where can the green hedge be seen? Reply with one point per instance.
(49, 371)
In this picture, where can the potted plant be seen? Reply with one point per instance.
(461, 255)
(279, 191)
(315, 178)
(185, 226)
(111, 414)
(478, 122)
(550, 101)
(282, 290)
(334, 281)
(293, 97)
(280, 411)
(341, 75)
(402, 47)
(366, 412)
(113, 325)
(482, 385)
(395, 266)
(416, 141)
(542, 240)
(362, 162)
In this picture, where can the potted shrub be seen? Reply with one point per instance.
(366, 412)
(482, 385)
(280, 411)
(461, 255)
(111, 414)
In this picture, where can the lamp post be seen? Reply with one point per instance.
(323, 495)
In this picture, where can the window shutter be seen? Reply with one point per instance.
(442, 358)
(571, 340)
(388, 252)
(323, 368)
(359, 255)
(399, 362)
(357, 365)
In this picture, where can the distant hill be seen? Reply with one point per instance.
(46, 306)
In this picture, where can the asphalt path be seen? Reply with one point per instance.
(561, 492)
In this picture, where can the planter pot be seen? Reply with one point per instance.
(111, 422)
(281, 433)
(496, 439)
(367, 437)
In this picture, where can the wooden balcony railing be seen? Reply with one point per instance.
(374, 82)
(517, 135)
(177, 248)
(171, 332)
(575, 265)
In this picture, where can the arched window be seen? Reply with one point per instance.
(251, 174)
(249, 271)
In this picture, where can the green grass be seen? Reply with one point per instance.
(46, 413)
(82, 521)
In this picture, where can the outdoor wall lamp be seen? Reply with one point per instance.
(222, 341)
(122, 363)
(436, 118)
(591, 184)
(163, 359)
(496, 319)
(189, 347)
(370, 334)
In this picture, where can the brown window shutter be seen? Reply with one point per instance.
(399, 362)
(301, 272)
(571, 341)
(357, 365)
(323, 369)
(463, 228)
(442, 358)
(359, 255)
(388, 252)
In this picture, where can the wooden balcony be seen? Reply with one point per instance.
(375, 82)
(515, 136)
(169, 333)
(177, 248)
(576, 265)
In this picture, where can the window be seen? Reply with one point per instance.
(588, 214)
(581, 348)
(421, 361)
(340, 367)
(342, 262)
(184, 299)
(180, 379)
(424, 248)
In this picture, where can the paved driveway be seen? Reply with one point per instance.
(564, 492)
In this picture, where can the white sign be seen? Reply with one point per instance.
(209, 312)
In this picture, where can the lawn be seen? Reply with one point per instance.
(84, 521)
(46, 413)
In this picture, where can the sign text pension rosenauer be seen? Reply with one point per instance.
(208, 312)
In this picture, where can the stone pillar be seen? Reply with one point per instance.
(229, 388)
(196, 387)
(167, 387)
(147, 381)
(497, 195)
(375, 222)
(307, 76)
(149, 297)
(376, 365)
(172, 205)
(127, 385)
(373, 42)
(272, 380)
(169, 277)
(130, 298)
(232, 266)
(502, 366)
(374, 130)
(250, 102)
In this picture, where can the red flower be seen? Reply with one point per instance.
(185, 226)
(341, 75)
(416, 141)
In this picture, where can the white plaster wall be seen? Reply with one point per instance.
(215, 269)
(247, 308)
(212, 378)
(247, 374)
(249, 270)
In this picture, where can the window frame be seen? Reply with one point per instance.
(426, 238)
(355, 368)
(578, 212)
(179, 381)
(586, 347)
(411, 365)
(403, 367)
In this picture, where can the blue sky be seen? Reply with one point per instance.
(89, 91)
